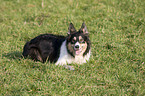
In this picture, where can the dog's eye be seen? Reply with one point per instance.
(82, 41)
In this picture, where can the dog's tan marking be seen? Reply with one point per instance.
(75, 38)
(80, 38)
(83, 47)
(71, 48)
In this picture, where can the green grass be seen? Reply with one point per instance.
(117, 32)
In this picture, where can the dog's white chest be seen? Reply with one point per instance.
(66, 58)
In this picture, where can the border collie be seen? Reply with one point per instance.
(61, 50)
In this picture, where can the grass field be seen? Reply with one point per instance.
(117, 33)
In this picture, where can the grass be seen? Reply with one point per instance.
(117, 32)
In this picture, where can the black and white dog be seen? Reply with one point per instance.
(61, 50)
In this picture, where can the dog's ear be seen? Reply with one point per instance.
(83, 29)
(71, 29)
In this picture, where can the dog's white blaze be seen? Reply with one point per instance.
(66, 58)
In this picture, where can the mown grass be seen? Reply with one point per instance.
(117, 32)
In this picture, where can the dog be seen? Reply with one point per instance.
(58, 49)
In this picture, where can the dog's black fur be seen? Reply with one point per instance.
(43, 47)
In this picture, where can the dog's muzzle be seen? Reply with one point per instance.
(77, 48)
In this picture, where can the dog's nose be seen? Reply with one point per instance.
(77, 46)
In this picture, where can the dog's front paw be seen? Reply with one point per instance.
(69, 67)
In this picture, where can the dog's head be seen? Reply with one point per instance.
(78, 43)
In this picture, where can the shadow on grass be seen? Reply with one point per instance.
(13, 55)
(108, 46)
